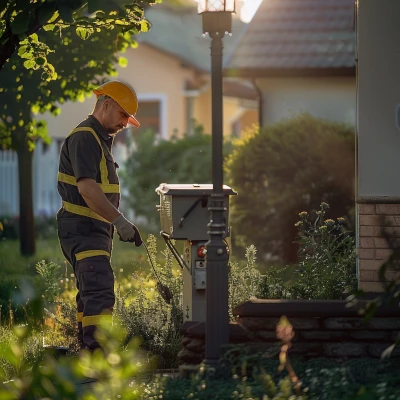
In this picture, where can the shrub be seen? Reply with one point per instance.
(283, 169)
(327, 265)
(45, 227)
(146, 315)
(178, 160)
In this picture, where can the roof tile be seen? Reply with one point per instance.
(298, 34)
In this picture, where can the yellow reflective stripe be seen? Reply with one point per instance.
(96, 319)
(103, 164)
(106, 187)
(91, 253)
(79, 316)
(84, 211)
(64, 178)
(109, 187)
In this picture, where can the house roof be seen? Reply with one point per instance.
(178, 31)
(299, 37)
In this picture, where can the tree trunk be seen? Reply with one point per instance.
(26, 219)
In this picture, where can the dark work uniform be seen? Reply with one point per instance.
(85, 237)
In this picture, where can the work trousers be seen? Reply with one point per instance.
(88, 250)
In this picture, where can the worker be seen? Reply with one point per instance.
(89, 188)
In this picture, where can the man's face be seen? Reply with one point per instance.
(114, 117)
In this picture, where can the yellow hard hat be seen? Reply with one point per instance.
(124, 95)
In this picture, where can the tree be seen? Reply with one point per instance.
(179, 160)
(284, 169)
(24, 91)
(19, 19)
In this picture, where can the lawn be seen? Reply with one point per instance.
(125, 256)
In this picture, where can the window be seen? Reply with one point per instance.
(149, 116)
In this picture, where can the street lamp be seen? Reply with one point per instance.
(217, 21)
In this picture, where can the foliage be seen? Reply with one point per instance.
(80, 66)
(148, 316)
(243, 281)
(49, 273)
(282, 169)
(20, 20)
(27, 92)
(112, 372)
(327, 265)
(178, 160)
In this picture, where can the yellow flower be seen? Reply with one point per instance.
(341, 219)
(303, 215)
(323, 228)
(1, 227)
(298, 223)
(329, 222)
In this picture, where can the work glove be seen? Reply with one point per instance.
(127, 231)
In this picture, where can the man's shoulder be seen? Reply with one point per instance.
(86, 123)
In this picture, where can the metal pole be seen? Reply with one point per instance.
(217, 319)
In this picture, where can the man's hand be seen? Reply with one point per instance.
(127, 231)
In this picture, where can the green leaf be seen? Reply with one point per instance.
(66, 13)
(29, 64)
(27, 55)
(46, 12)
(123, 62)
(22, 50)
(49, 27)
(83, 33)
(34, 37)
(144, 25)
(20, 23)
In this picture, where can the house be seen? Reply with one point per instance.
(170, 71)
(300, 55)
(378, 141)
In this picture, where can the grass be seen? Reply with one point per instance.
(125, 256)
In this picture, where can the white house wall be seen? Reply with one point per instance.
(333, 98)
(379, 97)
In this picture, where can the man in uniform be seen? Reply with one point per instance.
(89, 187)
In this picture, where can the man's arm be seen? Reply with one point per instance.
(98, 202)
(96, 199)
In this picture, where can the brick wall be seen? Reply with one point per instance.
(323, 328)
(373, 249)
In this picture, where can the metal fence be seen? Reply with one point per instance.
(46, 200)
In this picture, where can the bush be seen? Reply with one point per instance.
(282, 170)
(178, 160)
(45, 227)
(327, 266)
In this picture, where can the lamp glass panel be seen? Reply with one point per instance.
(216, 5)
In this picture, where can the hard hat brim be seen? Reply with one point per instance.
(133, 121)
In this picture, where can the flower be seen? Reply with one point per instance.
(329, 222)
(298, 223)
(323, 228)
(341, 220)
(303, 214)
(324, 205)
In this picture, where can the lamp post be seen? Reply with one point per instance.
(217, 21)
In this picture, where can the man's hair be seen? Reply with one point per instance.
(100, 99)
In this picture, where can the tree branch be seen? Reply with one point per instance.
(10, 42)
